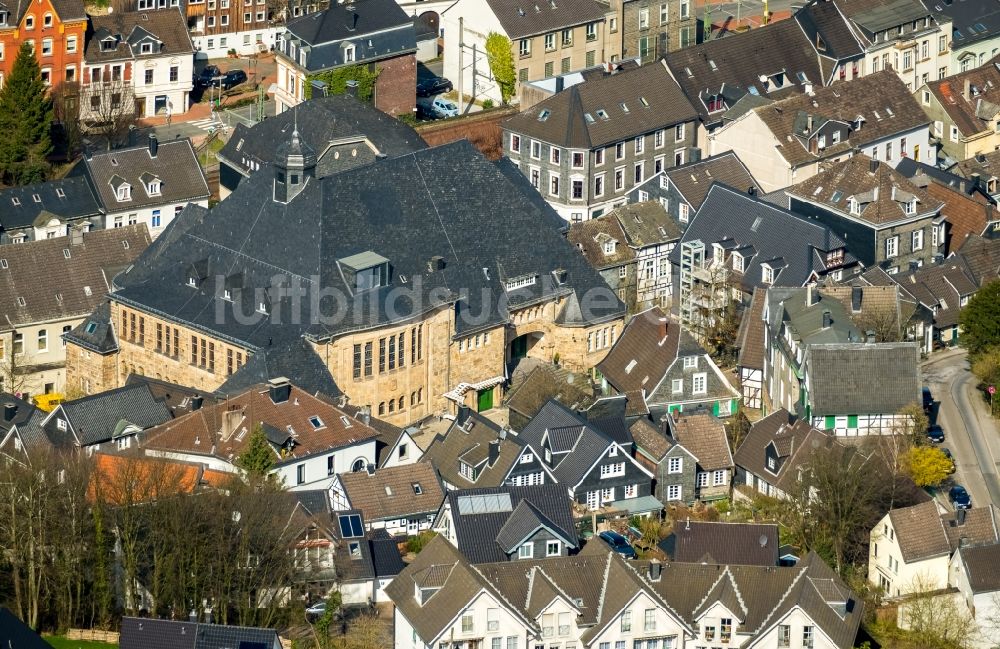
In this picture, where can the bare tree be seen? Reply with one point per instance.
(108, 110)
(14, 366)
(931, 618)
(66, 108)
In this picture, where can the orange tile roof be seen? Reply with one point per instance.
(126, 479)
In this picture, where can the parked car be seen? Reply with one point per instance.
(619, 544)
(959, 497)
(436, 108)
(316, 610)
(208, 75)
(928, 399)
(951, 458)
(233, 78)
(935, 434)
(433, 86)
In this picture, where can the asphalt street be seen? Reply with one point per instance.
(970, 433)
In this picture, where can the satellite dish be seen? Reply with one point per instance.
(763, 540)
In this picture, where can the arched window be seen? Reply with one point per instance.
(402, 402)
(392, 406)
(381, 408)
(359, 465)
(413, 399)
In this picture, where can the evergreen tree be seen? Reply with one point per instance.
(980, 320)
(258, 458)
(25, 120)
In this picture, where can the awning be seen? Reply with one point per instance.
(640, 505)
(458, 393)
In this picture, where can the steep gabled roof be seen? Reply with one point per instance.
(777, 236)
(882, 99)
(982, 565)
(394, 492)
(485, 535)
(165, 29)
(705, 437)
(862, 379)
(643, 352)
(521, 18)
(66, 199)
(606, 109)
(694, 179)
(468, 440)
(94, 419)
(971, 98)
(919, 531)
(57, 279)
(17, 635)
(881, 193)
(748, 544)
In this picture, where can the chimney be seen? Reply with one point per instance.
(463, 414)
(808, 87)
(827, 320)
(370, 469)
(856, 297)
(154, 145)
(663, 328)
(960, 516)
(197, 401)
(655, 568)
(810, 295)
(366, 415)
(967, 89)
(75, 236)
(560, 83)
(279, 388)
(436, 263)
(494, 452)
(230, 421)
(870, 336)
(352, 88)
(809, 124)
(9, 410)
(873, 166)
(751, 190)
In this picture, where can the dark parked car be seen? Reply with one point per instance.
(619, 544)
(208, 75)
(928, 399)
(951, 458)
(935, 434)
(233, 78)
(433, 86)
(959, 497)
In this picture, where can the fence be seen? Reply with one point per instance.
(93, 635)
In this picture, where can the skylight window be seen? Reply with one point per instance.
(91, 327)
(544, 115)
(642, 100)
(624, 107)
(837, 195)
(60, 193)
(589, 118)
(36, 198)
(712, 65)
(603, 114)
(316, 421)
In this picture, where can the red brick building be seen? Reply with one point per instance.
(55, 28)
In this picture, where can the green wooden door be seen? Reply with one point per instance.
(485, 399)
(715, 408)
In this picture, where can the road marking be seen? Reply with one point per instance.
(205, 124)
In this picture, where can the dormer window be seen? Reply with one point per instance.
(3, 17)
(262, 307)
(910, 207)
(348, 53)
(146, 48)
(124, 193)
(854, 205)
(610, 246)
(767, 274)
(738, 262)
(192, 281)
(109, 44)
(151, 183)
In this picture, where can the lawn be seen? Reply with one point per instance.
(62, 642)
(207, 157)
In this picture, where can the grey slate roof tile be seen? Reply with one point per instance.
(76, 202)
(748, 544)
(296, 358)
(521, 18)
(482, 537)
(92, 419)
(407, 209)
(861, 379)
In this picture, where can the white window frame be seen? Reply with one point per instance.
(699, 383)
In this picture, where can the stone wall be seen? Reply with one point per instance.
(396, 87)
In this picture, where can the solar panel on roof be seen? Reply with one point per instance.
(484, 504)
(350, 526)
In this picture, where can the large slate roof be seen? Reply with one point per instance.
(294, 358)
(862, 379)
(470, 435)
(481, 535)
(378, 29)
(521, 18)
(567, 431)
(982, 564)
(151, 633)
(175, 165)
(694, 179)
(634, 102)
(65, 198)
(17, 635)
(882, 99)
(165, 29)
(324, 123)
(92, 419)
(599, 584)
(746, 544)
(774, 234)
(408, 210)
(55, 279)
